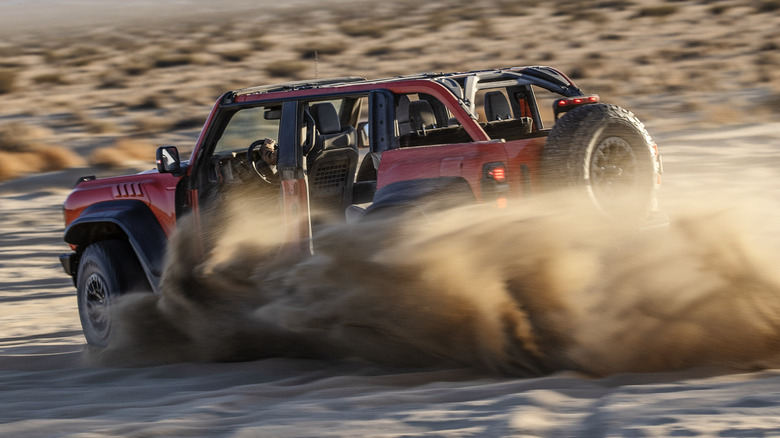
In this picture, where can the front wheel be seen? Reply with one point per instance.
(107, 269)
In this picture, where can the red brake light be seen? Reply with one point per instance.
(498, 173)
(567, 103)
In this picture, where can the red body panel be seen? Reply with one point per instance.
(463, 160)
(158, 191)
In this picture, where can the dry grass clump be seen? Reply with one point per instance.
(363, 28)
(380, 50)
(321, 47)
(152, 124)
(7, 81)
(136, 66)
(764, 6)
(166, 60)
(235, 55)
(124, 152)
(771, 103)
(287, 69)
(148, 102)
(111, 79)
(657, 11)
(22, 151)
(50, 79)
(515, 7)
(21, 137)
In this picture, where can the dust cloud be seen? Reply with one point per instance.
(522, 291)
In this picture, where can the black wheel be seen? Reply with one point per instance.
(607, 151)
(107, 269)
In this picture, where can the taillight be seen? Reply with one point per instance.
(568, 103)
(494, 184)
(498, 173)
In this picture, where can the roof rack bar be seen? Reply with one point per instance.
(297, 85)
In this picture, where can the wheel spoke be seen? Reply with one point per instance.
(613, 169)
(97, 303)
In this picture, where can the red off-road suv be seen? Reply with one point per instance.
(349, 148)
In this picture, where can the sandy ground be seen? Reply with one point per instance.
(48, 387)
(48, 390)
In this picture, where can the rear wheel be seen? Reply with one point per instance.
(107, 269)
(606, 151)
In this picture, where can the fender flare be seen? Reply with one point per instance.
(427, 194)
(131, 219)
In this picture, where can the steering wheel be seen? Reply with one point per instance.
(261, 168)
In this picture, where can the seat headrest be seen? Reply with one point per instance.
(421, 115)
(326, 117)
(402, 109)
(496, 106)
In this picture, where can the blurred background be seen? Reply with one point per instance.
(100, 84)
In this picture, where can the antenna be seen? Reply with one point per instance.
(316, 67)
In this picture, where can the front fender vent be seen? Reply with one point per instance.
(129, 190)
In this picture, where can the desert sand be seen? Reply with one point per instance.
(680, 339)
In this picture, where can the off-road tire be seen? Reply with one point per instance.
(605, 151)
(107, 269)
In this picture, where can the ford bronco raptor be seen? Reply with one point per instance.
(351, 148)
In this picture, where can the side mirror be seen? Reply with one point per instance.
(168, 160)
(363, 137)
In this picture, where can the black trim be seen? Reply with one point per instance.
(428, 194)
(131, 219)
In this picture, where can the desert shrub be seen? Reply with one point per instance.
(21, 137)
(260, 44)
(593, 16)
(99, 126)
(57, 158)
(567, 7)
(578, 72)
(9, 51)
(81, 55)
(643, 60)
(611, 37)
(148, 102)
(614, 4)
(166, 60)
(719, 9)
(657, 11)
(331, 47)
(136, 67)
(23, 151)
(438, 19)
(111, 79)
(482, 28)
(515, 7)
(363, 28)
(234, 55)
(7, 80)
(50, 79)
(11, 165)
(286, 69)
(380, 50)
(768, 6)
(188, 122)
(771, 103)
(125, 151)
(152, 124)
(677, 55)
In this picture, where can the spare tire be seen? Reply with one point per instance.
(605, 151)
